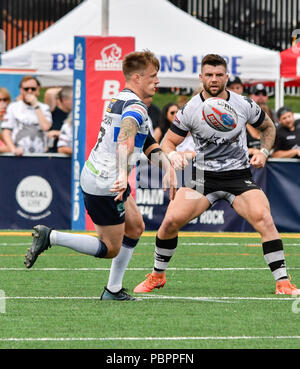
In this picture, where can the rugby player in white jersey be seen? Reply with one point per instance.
(123, 135)
(221, 170)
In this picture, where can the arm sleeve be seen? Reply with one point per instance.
(150, 141)
(255, 114)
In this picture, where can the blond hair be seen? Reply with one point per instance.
(4, 91)
(138, 61)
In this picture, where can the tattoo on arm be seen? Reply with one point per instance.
(268, 133)
(128, 129)
(125, 141)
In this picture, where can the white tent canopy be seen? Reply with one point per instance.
(178, 39)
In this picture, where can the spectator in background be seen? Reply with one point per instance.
(65, 140)
(5, 99)
(50, 97)
(258, 93)
(153, 114)
(253, 135)
(287, 143)
(182, 100)
(235, 84)
(64, 106)
(27, 120)
(166, 120)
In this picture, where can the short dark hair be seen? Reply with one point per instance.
(234, 80)
(138, 61)
(283, 110)
(65, 91)
(214, 60)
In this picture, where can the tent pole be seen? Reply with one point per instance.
(105, 18)
(281, 102)
(279, 93)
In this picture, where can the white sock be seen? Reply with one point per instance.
(85, 244)
(118, 268)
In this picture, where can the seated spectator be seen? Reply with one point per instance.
(287, 143)
(65, 140)
(166, 119)
(60, 113)
(235, 84)
(5, 99)
(27, 120)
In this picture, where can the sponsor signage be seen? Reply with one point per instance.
(36, 190)
(176, 63)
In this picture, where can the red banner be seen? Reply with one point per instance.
(104, 79)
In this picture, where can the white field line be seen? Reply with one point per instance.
(138, 269)
(141, 243)
(208, 338)
(161, 297)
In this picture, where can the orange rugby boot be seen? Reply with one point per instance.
(285, 287)
(154, 280)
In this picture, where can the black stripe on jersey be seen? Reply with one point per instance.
(260, 120)
(148, 142)
(178, 131)
(227, 99)
(116, 107)
(135, 101)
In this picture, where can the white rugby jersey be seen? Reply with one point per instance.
(26, 132)
(219, 151)
(66, 135)
(101, 169)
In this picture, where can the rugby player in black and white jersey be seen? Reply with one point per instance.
(221, 170)
(123, 136)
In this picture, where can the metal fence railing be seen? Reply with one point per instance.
(21, 20)
(268, 23)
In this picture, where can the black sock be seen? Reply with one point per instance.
(164, 250)
(274, 256)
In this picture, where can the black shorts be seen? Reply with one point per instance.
(223, 185)
(104, 210)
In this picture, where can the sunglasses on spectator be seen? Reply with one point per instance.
(257, 93)
(4, 99)
(29, 88)
(173, 112)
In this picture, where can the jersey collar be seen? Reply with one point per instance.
(202, 97)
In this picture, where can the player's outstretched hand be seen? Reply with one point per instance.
(258, 160)
(119, 187)
(178, 160)
(170, 181)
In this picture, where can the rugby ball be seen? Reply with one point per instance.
(219, 114)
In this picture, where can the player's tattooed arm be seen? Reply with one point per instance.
(268, 133)
(125, 148)
(125, 141)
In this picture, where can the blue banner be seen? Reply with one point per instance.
(79, 133)
(153, 202)
(283, 189)
(35, 190)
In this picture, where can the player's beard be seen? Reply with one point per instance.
(216, 92)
